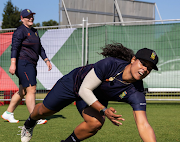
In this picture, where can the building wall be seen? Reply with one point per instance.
(100, 11)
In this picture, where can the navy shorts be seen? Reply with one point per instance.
(26, 72)
(62, 94)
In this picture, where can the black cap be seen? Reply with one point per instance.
(26, 12)
(149, 55)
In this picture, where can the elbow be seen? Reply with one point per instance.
(81, 91)
(87, 95)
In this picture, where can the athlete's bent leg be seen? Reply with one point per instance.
(93, 122)
(40, 111)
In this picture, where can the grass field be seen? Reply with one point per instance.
(164, 117)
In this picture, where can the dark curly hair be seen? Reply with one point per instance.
(117, 50)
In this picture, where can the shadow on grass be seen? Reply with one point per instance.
(55, 116)
(48, 118)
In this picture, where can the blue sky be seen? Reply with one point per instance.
(49, 9)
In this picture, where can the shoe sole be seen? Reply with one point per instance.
(43, 123)
(8, 120)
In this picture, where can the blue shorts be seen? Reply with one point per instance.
(62, 94)
(26, 72)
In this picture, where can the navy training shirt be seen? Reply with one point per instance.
(26, 45)
(131, 93)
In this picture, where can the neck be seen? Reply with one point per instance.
(27, 26)
(127, 76)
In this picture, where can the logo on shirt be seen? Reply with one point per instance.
(29, 34)
(36, 34)
(123, 94)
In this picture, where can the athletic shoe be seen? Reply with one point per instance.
(9, 117)
(41, 121)
(26, 134)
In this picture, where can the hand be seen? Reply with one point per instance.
(109, 112)
(12, 69)
(48, 63)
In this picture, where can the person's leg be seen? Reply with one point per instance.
(30, 98)
(93, 122)
(23, 81)
(39, 112)
(58, 98)
(15, 100)
(30, 101)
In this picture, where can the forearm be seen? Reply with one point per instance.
(147, 133)
(46, 59)
(97, 106)
(13, 60)
(145, 130)
(42, 53)
(12, 67)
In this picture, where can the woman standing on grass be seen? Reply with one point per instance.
(25, 51)
(118, 77)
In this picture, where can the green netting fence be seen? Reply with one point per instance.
(163, 38)
(69, 48)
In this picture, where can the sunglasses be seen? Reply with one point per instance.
(146, 64)
(29, 16)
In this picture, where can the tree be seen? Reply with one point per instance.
(36, 25)
(50, 23)
(11, 16)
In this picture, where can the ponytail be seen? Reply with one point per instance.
(117, 50)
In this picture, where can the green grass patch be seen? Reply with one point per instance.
(163, 117)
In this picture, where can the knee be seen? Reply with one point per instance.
(95, 125)
(30, 90)
(39, 109)
(43, 111)
(22, 93)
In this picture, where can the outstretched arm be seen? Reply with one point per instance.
(90, 82)
(145, 130)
